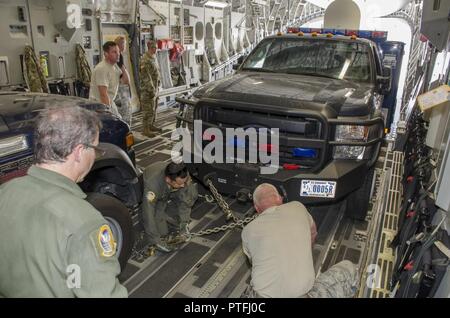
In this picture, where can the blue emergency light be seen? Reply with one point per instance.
(235, 142)
(304, 152)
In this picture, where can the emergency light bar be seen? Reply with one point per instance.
(376, 36)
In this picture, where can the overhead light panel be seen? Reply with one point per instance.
(216, 4)
(261, 2)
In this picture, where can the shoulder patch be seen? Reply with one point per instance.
(151, 197)
(105, 241)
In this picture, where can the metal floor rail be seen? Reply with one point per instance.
(381, 257)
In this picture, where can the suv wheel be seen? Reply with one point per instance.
(119, 220)
(358, 201)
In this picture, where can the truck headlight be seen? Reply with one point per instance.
(350, 133)
(11, 145)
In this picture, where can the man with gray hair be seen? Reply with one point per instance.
(279, 245)
(53, 242)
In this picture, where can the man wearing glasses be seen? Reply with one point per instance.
(53, 243)
(168, 192)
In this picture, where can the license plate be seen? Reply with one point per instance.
(318, 188)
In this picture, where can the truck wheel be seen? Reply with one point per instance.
(358, 201)
(119, 220)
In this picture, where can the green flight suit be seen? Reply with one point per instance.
(155, 203)
(53, 243)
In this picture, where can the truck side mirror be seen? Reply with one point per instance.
(239, 62)
(384, 82)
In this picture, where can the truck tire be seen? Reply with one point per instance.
(358, 201)
(119, 220)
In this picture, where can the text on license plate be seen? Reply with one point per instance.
(318, 188)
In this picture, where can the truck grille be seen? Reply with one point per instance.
(14, 169)
(295, 131)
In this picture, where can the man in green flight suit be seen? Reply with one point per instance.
(150, 80)
(53, 243)
(168, 191)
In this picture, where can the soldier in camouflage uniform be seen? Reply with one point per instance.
(168, 192)
(150, 81)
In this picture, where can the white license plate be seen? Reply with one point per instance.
(318, 188)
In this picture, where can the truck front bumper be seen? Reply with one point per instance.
(349, 175)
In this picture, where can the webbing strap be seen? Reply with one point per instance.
(442, 248)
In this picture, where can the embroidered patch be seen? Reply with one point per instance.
(106, 241)
(151, 197)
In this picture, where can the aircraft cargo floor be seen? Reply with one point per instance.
(214, 265)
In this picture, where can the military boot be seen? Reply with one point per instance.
(149, 133)
(183, 234)
(163, 247)
(155, 129)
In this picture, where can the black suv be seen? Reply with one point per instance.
(114, 184)
(324, 94)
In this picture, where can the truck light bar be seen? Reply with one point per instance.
(377, 36)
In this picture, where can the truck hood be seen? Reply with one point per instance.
(18, 110)
(294, 91)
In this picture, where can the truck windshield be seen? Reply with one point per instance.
(316, 57)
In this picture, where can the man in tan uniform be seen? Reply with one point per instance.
(150, 80)
(279, 244)
(107, 77)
